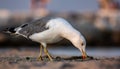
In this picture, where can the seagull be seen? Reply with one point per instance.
(48, 30)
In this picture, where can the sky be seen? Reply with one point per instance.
(54, 5)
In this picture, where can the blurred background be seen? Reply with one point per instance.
(97, 20)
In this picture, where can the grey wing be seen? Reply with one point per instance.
(33, 27)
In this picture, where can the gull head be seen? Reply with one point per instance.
(82, 47)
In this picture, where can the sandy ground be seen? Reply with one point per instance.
(21, 59)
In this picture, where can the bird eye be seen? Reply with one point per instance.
(82, 44)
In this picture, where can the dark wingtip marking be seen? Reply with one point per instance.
(12, 30)
(24, 25)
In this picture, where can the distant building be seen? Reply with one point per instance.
(39, 7)
(108, 15)
(37, 4)
(109, 4)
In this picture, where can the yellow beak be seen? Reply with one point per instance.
(84, 55)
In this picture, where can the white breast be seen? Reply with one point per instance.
(48, 36)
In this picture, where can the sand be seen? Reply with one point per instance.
(27, 59)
